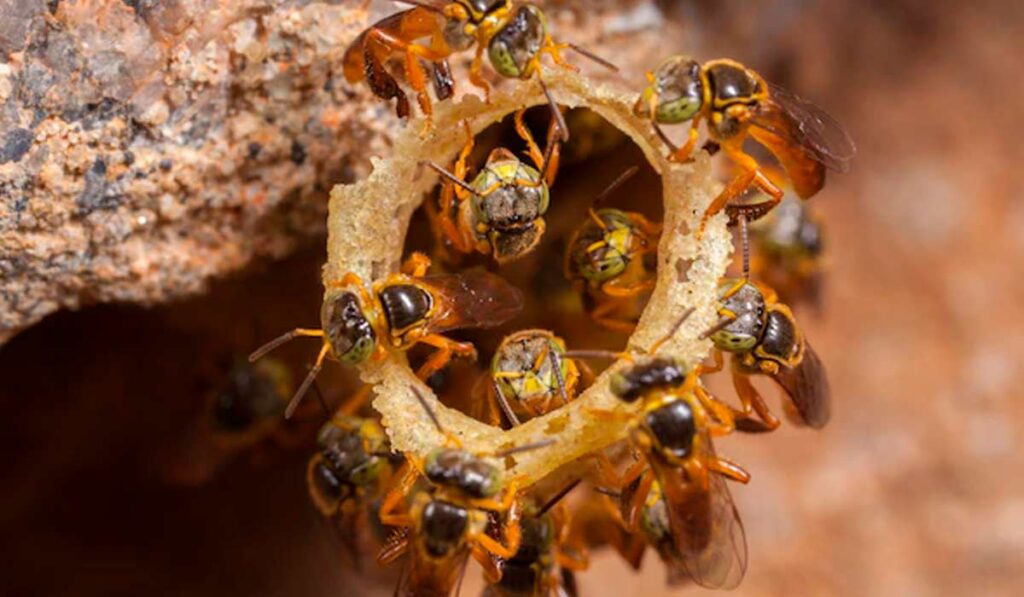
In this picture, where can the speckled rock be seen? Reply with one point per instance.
(148, 147)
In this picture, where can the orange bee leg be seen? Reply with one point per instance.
(356, 402)
(395, 496)
(728, 468)
(617, 290)
(649, 228)
(445, 348)
(512, 532)
(752, 402)
(416, 265)
(682, 154)
(475, 76)
(488, 564)
(719, 363)
(601, 316)
(639, 498)
(721, 413)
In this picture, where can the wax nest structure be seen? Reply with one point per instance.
(367, 225)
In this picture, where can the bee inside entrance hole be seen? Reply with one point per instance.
(605, 201)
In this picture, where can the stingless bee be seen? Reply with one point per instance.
(514, 35)
(446, 521)
(612, 258)
(765, 339)
(737, 103)
(529, 374)
(501, 211)
(402, 310)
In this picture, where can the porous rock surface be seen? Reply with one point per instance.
(147, 147)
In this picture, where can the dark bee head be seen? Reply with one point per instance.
(677, 92)
(443, 527)
(405, 305)
(537, 539)
(748, 305)
(673, 428)
(602, 263)
(328, 486)
(458, 469)
(253, 392)
(510, 206)
(733, 83)
(349, 333)
(513, 49)
(351, 448)
(659, 373)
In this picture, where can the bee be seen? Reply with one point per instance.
(765, 339)
(241, 413)
(677, 490)
(513, 34)
(534, 570)
(737, 103)
(790, 244)
(347, 475)
(501, 212)
(612, 258)
(402, 310)
(529, 367)
(447, 520)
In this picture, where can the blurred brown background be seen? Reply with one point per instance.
(913, 489)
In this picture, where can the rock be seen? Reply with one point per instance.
(193, 136)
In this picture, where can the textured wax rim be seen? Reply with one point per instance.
(368, 220)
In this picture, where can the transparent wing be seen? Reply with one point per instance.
(475, 298)
(807, 386)
(708, 532)
(806, 126)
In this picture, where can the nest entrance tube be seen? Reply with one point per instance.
(367, 226)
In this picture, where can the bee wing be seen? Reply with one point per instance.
(475, 298)
(808, 388)
(708, 532)
(805, 125)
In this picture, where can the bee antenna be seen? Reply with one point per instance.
(426, 406)
(718, 326)
(524, 448)
(556, 113)
(672, 331)
(282, 339)
(745, 241)
(630, 173)
(588, 54)
(557, 497)
(592, 354)
(503, 403)
(450, 177)
(556, 364)
(310, 378)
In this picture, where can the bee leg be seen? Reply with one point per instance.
(475, 76)
(728, 468)
(356, 402)
(682, 154)
(416, 265)
(617, 290)
(630, 546)
(546, 161)
(512, 532)
(489, 564)
(752, 402)
(719, 363)
(639, 498)
(394, 498)
(326, 508)
(721, 412)
(601, 316)
(446, 347)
